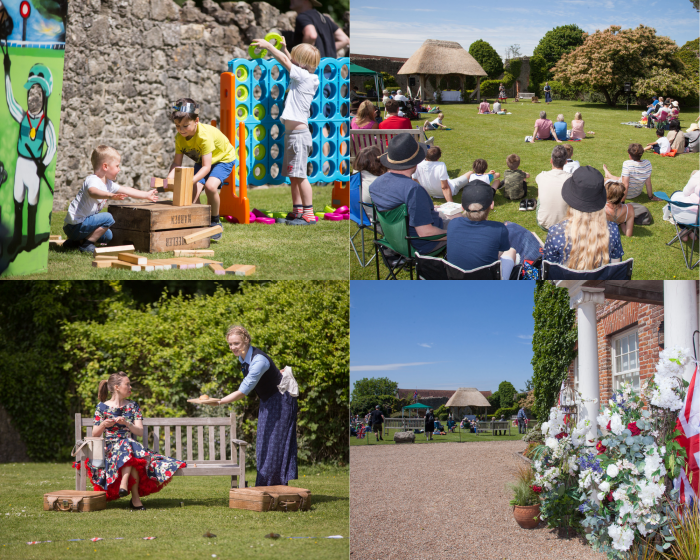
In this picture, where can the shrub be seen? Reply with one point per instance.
(489, 88)
(506, 412)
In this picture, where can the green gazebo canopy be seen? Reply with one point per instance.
(357, 70)
(417, 405)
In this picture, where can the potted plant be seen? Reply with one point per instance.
(525, 501)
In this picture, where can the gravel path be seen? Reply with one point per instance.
(444, 501)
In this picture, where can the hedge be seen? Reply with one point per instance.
(507, 412)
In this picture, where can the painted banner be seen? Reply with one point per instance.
(32, 40)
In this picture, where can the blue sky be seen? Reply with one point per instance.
(399, 28)
(442, 335)
(38, 28)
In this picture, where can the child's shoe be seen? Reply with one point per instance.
(531, 204)
(523, 205)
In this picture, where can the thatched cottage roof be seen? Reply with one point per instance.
(467, 396)
(440, 58)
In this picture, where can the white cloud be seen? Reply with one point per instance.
(525, 336)
(390, 367)
(425, 344)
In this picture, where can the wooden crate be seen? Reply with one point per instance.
(75, 500)
(160, 216)
(157, 241)
(270, 498)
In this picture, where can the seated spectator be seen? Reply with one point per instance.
(484, 108)
(560, 127)
(354, 107)
(652, 106)
(354, 93)
(393, 121)
(496, 106)
(544, 130)
(396, 188)
(385, 96)
(478, 171)
(527, 245)
(474, 241)
(577, 130)
(514, 183)
(365, 117)
(368, 164)
(692, 137)
(636, 173)
(585, 240)
(617, 211)
(675, 111)
(431, 174)
(662, 114)
(551, 208)
(675, 137)
(661, 146)
(400, 97)
(434, 124)
(571, 165)
(690, 195)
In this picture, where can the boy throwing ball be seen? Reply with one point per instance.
(303, 83)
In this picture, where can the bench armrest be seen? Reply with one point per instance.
(239, 442)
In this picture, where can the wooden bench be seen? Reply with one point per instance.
(522, 95)
(223, 466)
(363, 138)
(494, 426)
(402, 424)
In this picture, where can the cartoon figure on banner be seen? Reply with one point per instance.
(35, 131)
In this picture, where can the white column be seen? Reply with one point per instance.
(680, 316)
(584, 300)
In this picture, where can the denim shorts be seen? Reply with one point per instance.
(220, 171)
(88, 225)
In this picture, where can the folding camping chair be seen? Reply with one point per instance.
(358, 214)
(431, 268)
(687, 223)
(610, 271)
(395, 228)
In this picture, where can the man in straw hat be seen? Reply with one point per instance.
(474, 241)
(316, 29)
(692, 135)
(396, 188)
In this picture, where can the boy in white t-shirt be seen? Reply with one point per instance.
(85, 224)
(431, 174)
(301, 64)
(661, 146)
(435, 124)
(479, 168)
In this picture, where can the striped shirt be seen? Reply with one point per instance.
(638, 172)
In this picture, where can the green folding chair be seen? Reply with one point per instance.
(395, 228)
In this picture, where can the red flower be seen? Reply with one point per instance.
(536, 489)
(608, 426)
(168, 473)
(610, 497)
(600, 447)
(561, 435)
(632, 427)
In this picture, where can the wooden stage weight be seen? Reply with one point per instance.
(182, 190)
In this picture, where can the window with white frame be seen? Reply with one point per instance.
(625, 360)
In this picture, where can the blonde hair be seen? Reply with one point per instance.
(616, 192)
(578, 116)
(588, 234)
(306, 56)
(240, 331)
(103, 154)
(365, 113)
(107, 386)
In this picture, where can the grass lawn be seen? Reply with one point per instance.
(178, 530)
(279, 252)
(370, 439)
(494, 137)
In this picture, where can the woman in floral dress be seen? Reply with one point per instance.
(128, 465)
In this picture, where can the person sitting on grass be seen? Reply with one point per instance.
(636, 173)
(431, 174)
(368, 164)
(515, 186)
(692, 138)
(484, 108)
(474, 241)
(617, 211)
(585, 240)
(85, 224)
(544, 129)
(434, 124)
(560, 128)
(577, 128)
(478, 172)
(393, 121)
(675, 137)
(661, 146)
(496, 107)
(551, 208)
(571, 165)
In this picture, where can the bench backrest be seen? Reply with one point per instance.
(363, 138)
(223, 448)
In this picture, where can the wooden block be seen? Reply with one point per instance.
(58, 242)
(148, 268)
(125, 266)
(160, 185)
(182, 265)
(102, 264)
(133, 259)
(194, 253)
(55, 238)
(167, 264)
(159, 216)
(156, 265)
(113, 250)
(203, 233)
(217, 268)
(190, 262)
(241, 269)
(106, 258)
(156, 241)
(182, 190)
(205, 262)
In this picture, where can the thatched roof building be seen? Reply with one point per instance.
(439, 58)
(466, 397)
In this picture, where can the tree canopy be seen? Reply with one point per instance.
(487, 57)
(607, 59)
(374, 386)
(557, 42)
(506, 392)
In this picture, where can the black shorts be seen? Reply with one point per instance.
(376, 428)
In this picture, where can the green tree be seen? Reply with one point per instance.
(494, 402)
(695, 4)
(557, 42)
(487, 57)
(552, 344)
(507, 393)
(373, 386)
(538, 74)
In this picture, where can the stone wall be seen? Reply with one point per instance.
(523, 78)
(127, 60)
(379, 65)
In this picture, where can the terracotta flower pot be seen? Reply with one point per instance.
(528, 517)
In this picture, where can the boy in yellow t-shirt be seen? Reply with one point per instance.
(208, 147)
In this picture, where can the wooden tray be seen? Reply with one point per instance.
(205, 401)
